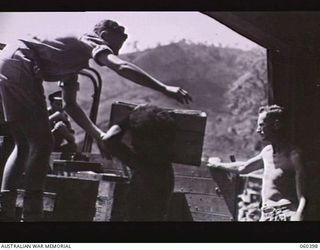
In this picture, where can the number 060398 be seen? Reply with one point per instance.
(309, 246)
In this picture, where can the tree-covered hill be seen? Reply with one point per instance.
(228, 84)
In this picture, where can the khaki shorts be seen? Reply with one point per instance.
(21, 92)
(279, 213)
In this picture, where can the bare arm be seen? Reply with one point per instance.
(137, 75)
(78, 115)
(113, 143)
(61, 128)
(300, 183)
(238, 167)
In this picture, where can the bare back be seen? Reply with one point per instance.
(278, 186)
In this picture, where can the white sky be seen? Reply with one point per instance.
(147, 28)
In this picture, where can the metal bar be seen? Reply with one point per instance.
(97, 84)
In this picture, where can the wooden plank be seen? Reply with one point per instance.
(106, 189)
(189, 156)
(199, 216)
(190, 131)
(118, 210)
(105, 197)
(55, 156)
(103, 209)
(108, 177)
(106, 164)
(179, 209)
(249, 29)
(195, 185)
(119, 111)
(188, 137)
(186, 147)
(229, 186)
(76, 198)
(208, 204)
(222, 184)
(48, 200)
(187, 120)
(113, 166)
(192, 171)
(190, 120)
(107, 183)
(73, 166)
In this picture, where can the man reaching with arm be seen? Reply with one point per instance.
(283, 192)
(24, 65)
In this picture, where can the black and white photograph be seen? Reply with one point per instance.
(162, 116)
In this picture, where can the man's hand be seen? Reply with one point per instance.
(104, 139)
(58, 116)
(178, 93)
(213, 162)
(296, 217)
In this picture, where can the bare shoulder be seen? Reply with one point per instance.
(296, 157)
(266, 150)
(295, 150)
(295, 153)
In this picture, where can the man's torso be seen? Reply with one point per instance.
(278, 186)
(57, 58)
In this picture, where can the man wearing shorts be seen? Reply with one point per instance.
(283, 195)
(24, 65)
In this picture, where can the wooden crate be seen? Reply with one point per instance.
(75, 197)
(74, 166)
(48, 200)
(190, 131)
(203, 194)
(109, 175)
(48, 205)
(108, 194)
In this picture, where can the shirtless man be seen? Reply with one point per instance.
(283, 195)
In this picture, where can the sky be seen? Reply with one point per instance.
(145, 29)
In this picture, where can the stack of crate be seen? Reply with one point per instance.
(200, 194)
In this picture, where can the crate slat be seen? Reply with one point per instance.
(190, 131)
(48, 200)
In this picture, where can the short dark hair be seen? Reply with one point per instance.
(275, 112)
(110, 26)
(149, 123)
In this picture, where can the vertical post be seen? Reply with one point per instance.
(236, 179)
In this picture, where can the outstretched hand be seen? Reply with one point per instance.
(104, 139)
(296, 217)
(213, 162)
(179, 94)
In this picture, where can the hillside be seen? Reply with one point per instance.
(229, 84)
